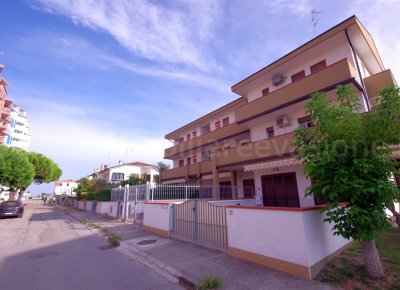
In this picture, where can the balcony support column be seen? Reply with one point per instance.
(234, 184)
(215, 188)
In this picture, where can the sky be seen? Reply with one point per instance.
(105, 80)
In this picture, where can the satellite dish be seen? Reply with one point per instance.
(277, 80)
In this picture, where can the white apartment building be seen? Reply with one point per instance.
(19, 129)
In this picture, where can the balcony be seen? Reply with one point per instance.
(208, 138)
(375, 83)
(333, 74)
(185, 171)
(275, 147)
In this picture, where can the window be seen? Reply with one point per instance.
(180, 140)
(188, 137)
(67, 184)
(181, 163)
(225, 122)
(318, 66)
(218, 125)
(265, 92)
(305, 121)
(188, 161)
(270, 132)
(194, 133)
(298, 76)
(194, 159)
(117, 176)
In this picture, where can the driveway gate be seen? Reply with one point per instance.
(201, 222)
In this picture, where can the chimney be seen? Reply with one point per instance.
(101, 167)
(105, 166)
(120, 162)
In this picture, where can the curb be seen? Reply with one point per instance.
(167, 272)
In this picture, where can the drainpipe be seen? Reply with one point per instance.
(364, 92)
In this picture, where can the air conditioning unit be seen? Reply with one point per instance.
(278, 79)
(282, 121)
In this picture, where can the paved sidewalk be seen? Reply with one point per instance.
(179, 260)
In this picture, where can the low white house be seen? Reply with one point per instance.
(65, 186)
(122, 171)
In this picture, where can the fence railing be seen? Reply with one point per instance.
(147, 192)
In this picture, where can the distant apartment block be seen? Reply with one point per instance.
(65, 186)
(122, 171)
(5, 109)
(19, 129)
(244, 149)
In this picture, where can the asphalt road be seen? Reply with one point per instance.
(47, 249)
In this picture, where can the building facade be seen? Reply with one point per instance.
(65, 186)
(5, 109)
(19, 128)
(122, 171)
(244, 149)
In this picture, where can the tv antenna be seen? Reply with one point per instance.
(314, 19)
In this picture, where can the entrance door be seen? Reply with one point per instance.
(248, 188)
(280, 190)
(225, 190)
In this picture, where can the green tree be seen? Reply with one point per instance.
(162, 166)
(132, 180)
(16, 172)
(347, 156)
(46, 170)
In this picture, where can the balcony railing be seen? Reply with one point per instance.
(208, 138)
(375, 83)
(333, 74)
(185, 171)
(275, 147)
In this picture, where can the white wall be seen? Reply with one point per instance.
(320, 239)
(104, 206)
(272, 233)
(157, 215)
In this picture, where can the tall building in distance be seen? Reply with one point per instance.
(5, 109)
(19, 129)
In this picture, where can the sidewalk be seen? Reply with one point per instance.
(179, 260)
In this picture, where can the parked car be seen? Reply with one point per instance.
(11, 208)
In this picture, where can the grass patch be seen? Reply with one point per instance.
(113, 239)
(347, 270)
(210, 282)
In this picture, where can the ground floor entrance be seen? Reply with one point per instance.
(280, 190)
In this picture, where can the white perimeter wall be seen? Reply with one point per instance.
(299, 237)
(156, 215)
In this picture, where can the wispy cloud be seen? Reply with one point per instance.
(171, 33)
(299, 7)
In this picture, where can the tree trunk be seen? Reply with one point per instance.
(21, 193)
(395, 214)
(373, 265)
(12, 195)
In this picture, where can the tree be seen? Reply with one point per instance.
(133, 180)
(46, 170)
(16, 172)
(346, 155)
(162, 166)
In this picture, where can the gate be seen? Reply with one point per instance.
(201, 222)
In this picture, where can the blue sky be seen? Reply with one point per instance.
(106, 80)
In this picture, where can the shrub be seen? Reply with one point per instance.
(211, 282)
(103, 194)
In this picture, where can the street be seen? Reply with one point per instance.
(47, 249)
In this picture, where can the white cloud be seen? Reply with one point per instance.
(299, 7)
(175, 33)
(380, 18)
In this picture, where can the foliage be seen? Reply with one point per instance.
(347, 156)
(133, 180)
(162, 166)
(93, 189)
(46, 170)
(16, 172)
(211, 282)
